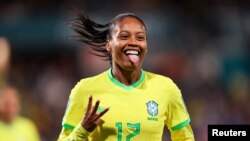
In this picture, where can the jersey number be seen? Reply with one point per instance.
(129, 136)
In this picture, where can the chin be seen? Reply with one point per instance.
(131, 67)
(127, 66)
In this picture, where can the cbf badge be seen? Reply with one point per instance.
(152, 108)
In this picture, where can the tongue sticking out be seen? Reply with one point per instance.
(133, 58)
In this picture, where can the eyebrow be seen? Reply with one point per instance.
(140, 32)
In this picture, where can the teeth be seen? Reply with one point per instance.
(132, 52)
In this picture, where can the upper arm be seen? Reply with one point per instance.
(177, 114)
(178, 120)
(75, 109)
(73, 115)
(183, 134)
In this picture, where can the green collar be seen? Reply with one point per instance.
(119, 84)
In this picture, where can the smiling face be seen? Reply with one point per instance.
(128, 44)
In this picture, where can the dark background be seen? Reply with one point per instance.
(202, 45)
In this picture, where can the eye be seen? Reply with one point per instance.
(140, 38)
(123, 37)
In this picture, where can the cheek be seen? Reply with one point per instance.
(117, 49)
(117, 55)
(145, 48)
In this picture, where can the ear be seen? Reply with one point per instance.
(108, 47)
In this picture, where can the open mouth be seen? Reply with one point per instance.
(132, 52)
(133, 55)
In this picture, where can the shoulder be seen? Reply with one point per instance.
(90, 81)
(162, 83)
(86, 84)
(156, 76)
(25, 122)
(159, 79)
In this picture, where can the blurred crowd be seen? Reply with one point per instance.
(202, 46)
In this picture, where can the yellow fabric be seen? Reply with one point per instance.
(21, 129)
(137, 112)
(78, 134)
(183, 134)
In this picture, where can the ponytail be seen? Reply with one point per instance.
(94, 34)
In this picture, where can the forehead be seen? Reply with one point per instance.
(129, 24)
(8, 93)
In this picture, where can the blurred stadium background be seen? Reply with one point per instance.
(202, 45)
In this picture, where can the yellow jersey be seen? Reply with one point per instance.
(137, 112)
(21, 129)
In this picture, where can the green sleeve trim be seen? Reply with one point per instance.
(180, 125)
(67, 126)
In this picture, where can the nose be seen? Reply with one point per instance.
(132, 42)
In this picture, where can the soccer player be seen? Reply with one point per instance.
(131, 103)
(12, 126)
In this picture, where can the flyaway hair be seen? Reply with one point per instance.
(91, 33)
(94, 34)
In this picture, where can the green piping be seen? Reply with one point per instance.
(180, 125)
(118, 83)
(67, 126)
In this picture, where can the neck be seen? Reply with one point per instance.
(6, 120)
(126, 77)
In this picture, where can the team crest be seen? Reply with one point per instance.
(152, 108)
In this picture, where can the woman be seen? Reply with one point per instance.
(13, 126)
(131, 104)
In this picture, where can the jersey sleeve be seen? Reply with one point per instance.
(33, 132)
(183, 134)
(78, 134)
(30, 130)
(75, 107)
(72, 129)
(177, 115)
